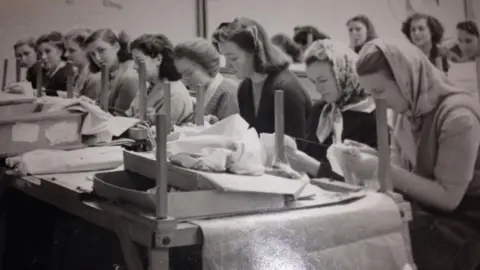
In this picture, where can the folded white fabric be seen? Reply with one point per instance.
(58, 161)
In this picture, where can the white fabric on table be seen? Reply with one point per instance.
(363, 235)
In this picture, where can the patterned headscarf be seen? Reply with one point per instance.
(351, 97)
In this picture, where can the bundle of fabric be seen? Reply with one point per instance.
(98, 126)
(57, 161)
(227, 146)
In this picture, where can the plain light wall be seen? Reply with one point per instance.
(176, 18)
(330, 16)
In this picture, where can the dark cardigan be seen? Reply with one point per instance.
(58, 82)
(297, 104)
(32, 76)
(357, 126)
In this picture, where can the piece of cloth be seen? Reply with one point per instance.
(465, 76)
(332, 237)
(122, 88)
(352, 97)
(358, 126)
(223, 101)
(297, 106)
(58, 161)
(420, 84)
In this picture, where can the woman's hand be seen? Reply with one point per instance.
(360, 147)
(20, 88)
(211, 119)
(301, 162)
(87, 100)
(360, 166)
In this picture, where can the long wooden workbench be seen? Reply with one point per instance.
(67, 192)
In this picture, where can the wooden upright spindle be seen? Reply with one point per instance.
(161, 194)
(39, 78)
(167, 103)
(5, 74)
(70, 77)
(279, 126)
(383, 168)
(200, 106)
(104, 91)
(18, 71)
(142, 90)
(309, 39)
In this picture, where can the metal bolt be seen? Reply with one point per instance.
(166, 240)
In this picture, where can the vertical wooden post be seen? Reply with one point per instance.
(5, 74)
(383, 168)
(142, 90)
(104, 91)
(200, 106)
(39, 78)
(161, 195)
(18, 70)
(279, 127)
(70, 77)
(167, 103)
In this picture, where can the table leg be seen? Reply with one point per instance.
(159, 259)
(129, 249)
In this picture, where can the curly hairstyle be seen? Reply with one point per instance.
(56, 39)
(288, 46)
(155, 45)
(434, 25)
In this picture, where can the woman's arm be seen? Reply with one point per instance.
(227, 105)
(126, 93)
(458, 146)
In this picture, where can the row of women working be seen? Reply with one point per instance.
(423, 30)
(394, 71)
(88, 57)
(436, 132)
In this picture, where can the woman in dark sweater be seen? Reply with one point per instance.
(345, 112)
(51, 51)
(264, 69)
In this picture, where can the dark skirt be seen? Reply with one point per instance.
(447, 241)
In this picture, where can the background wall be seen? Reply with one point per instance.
(330, 16)
(176, 18)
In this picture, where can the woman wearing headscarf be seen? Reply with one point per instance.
(435, 148)
(346, 111)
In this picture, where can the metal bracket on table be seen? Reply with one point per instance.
(164, 235)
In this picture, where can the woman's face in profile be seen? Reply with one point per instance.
(379, 86)
(357, 32)
(27, 56)
(468, 43)
(240, 60)
(322, 75)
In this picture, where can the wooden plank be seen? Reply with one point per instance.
(161, 195)
(383, 169)
(279, 127)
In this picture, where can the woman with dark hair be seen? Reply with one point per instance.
(264, 69)
(467, 48)
(360, 31)
(301, 36)
(218, 38)
(426, 32)
(51, 52)
(287, 45)
(199, 63)
(85, 83)
(157, 54)
(26, 51)
(109, 49)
